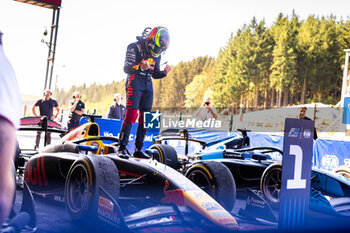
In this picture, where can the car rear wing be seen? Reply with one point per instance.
(41, 124)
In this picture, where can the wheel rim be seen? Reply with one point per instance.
(159, 155)
(272, 185)
(201, 179)
(78, 189)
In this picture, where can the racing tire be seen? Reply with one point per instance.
(166, 155)
(216, 180)
(270, 184)
(84, 178)
(343, 170)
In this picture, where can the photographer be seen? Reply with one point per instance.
(77, 108)
(206, 111)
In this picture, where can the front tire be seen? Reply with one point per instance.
(216, 180)
(270, 184)
(166, 155)
(83, 179)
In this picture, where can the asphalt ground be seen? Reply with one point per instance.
(52, 217)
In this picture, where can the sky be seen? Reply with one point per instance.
(93, 34)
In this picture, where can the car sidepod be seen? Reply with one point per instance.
(181, 191)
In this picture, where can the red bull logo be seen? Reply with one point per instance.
(173, 196)
(36, 121)
(129, 91)
(35, 172)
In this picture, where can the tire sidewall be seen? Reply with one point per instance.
(84, 211)
(272, 168)
(167, 155)
(223, 186)
(101, 172)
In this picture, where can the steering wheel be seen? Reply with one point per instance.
(97, 141)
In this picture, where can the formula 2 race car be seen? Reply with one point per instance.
(84, 171)
(251, 167)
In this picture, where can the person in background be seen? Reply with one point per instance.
(116, 110)
(302, 113)
(10, 105)
(77, 109)
(206, 111)
(142, 63)
(46, 106)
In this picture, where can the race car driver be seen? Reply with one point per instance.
(141, 64)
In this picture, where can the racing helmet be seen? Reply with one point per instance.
(157, 41)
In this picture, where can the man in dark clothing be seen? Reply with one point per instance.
(141, 64)
(116, 110)
(302, 116)
(46, 106)
(77, 109)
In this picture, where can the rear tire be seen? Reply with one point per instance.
(166, 155)
(270, 184)
(216, 180)
(83, 179)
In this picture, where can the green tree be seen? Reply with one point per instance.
(284, 68)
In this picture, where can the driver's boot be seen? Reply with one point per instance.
(122, 152)
(124, 139)
(140, 136)
(140, 154)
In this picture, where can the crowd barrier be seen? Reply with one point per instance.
(327, 154)
(110, 127)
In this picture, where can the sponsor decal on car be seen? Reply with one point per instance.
(105, 203)
(146, 212)
(172, 229)
(58, 198)
(211, 206)
(219, 214)
(154, 222)
(207, 206)
(37, 121)
(35, 172)
(105, 210)
(173, 196)
(254, 202)
(225, 220)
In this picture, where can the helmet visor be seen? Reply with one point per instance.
(157, 51)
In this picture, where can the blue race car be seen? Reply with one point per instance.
(256, 168)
